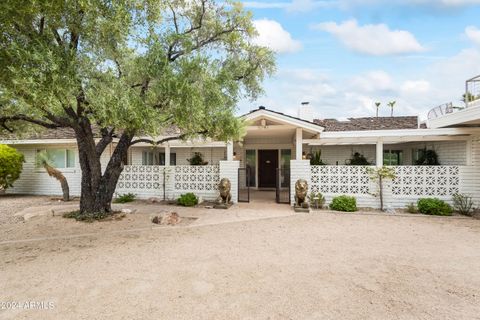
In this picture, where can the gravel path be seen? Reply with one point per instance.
(11, 204)
(310, 266)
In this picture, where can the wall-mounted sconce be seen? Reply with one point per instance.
(263, 124)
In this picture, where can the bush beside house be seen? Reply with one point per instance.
(344, 203)
(434, 206)
(11, 165)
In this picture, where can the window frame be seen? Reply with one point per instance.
(65, 167)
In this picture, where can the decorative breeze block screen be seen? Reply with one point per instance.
(340, 179)
(141, 178)
(426, 181)
(196, 178)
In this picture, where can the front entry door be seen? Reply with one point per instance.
(267, 168)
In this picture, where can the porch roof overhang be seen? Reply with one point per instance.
(285, 121)
(392, 136)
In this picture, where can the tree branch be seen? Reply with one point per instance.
(21, 117)
(107, 137)
(179, 137)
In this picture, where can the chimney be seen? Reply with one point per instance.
(305, 112)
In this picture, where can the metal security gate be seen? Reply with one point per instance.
(243, 184)
(283, 185)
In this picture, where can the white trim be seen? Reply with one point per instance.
(40, 141)
(283, 118)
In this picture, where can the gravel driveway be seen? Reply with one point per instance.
(310, 266)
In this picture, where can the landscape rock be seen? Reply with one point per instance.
(171, 218)
(154, 200)
(128, 211)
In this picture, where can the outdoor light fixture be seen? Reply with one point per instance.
(263, 123)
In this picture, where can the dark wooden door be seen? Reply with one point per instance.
(267, 168)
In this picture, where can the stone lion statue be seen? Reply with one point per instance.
(224, 187)
(301, 190)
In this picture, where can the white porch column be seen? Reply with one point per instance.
(298, 144)
(379, 155)
(229, 151)
(167, 155)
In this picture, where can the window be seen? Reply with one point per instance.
(285, 157)
(60, 158)
(418, 154)
(251, 162)
(173, 158)
(150, 158)
(393, 157)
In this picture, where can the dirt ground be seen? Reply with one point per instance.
(320, 265)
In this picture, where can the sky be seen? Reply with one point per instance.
(344, 55)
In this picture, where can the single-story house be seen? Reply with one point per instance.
(275, 153)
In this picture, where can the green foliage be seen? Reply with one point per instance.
(130, 65)
(316, 159)
(124, 198)
(411, 208)
(428, 158)
(358, 160)
(378, 175)
(187, 200)
(463, 204)
(11, 165)
(344, 203)
(434, 206)
(197, 160)
(316, 198)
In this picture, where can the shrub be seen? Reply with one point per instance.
(358, 160)
(316, 159)
(320, 199)
(344, 203)
(11, 164)
(411, 208)
(197, 160)
(434, 206)
(187, 200)
(124, 198)
(427, 158)
(463, 204)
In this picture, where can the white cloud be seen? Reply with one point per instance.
(415, 87)
(271, 34)
(373, 81)
(373, 39)
(473, 33)
(292, 6)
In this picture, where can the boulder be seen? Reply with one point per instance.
(127, 211)
(171, 218)
(154, 200)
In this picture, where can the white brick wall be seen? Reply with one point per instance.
(229, 169)
(35, 180)
(299, 169)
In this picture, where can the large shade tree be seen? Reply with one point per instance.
(112, 71)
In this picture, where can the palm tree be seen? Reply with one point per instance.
(43, 160)
(377, 104)
(391, 104)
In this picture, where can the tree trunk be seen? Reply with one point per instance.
(52, 172)
(97, 188)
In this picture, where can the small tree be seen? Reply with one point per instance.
(43, 160)
(391, 104)
(378, 175)
(11, 164)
